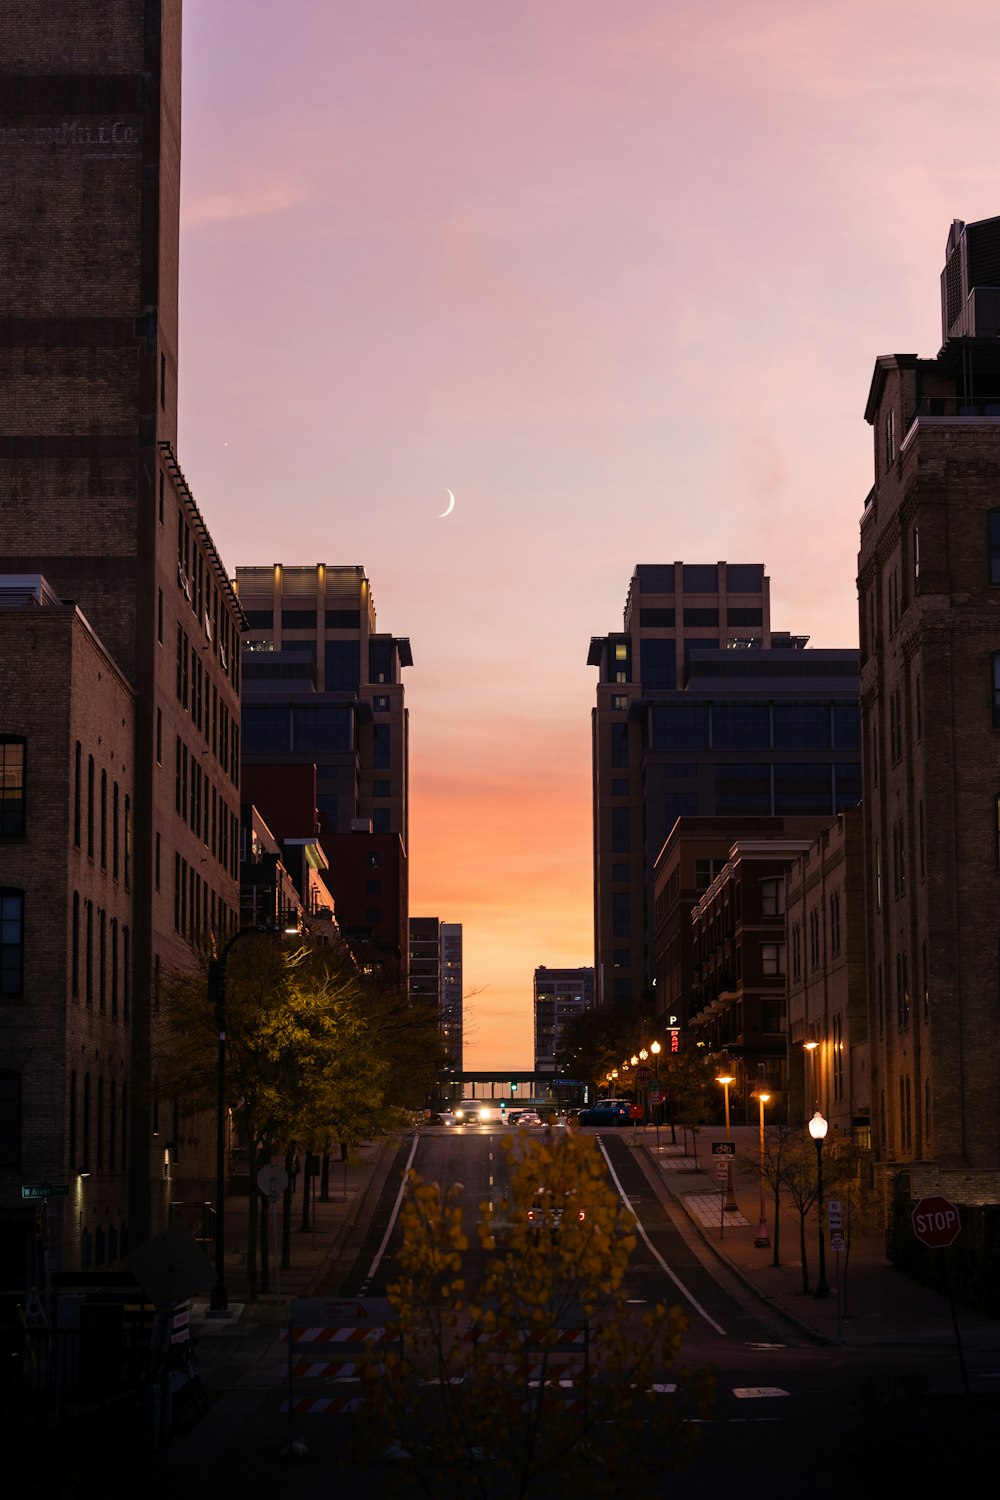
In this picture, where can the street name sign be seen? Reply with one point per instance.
(44, 1190)
(936, 1222)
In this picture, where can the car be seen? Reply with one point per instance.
(445, 1117)
(529, 1117)
(550, 1216)
(607, 1112)
(513, 1116)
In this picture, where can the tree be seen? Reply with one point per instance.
(781, 1149)
(800, 1177)
(482, 1399)
(312, 1049)
(690, 1079)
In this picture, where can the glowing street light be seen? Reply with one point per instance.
(817, 1129)
(730, 1204)
(762, 1241)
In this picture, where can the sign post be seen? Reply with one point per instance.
(835, 1224)
(937, 1224)
(723, 1154)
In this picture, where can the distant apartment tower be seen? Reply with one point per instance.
(436, 979)
(929, 603)
(325, 738)
(559, 995)
(702, 711)
(94, 508)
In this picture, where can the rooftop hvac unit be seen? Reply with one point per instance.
(361, 825)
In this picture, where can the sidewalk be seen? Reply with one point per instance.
(877, 1305)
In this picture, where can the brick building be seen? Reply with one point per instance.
(929, 602)
(66, 925)
(93, 500)
(828, 1064)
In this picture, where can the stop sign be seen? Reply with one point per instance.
(936, 1222)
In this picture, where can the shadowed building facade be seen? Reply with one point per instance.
(703, 711)
(929, 605)
(93, 502)
(326, 741)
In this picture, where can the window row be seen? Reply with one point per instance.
(207, 601)
(815, 934)
(755, 726)
(199, 695)
(100, 958)
(98, 1124)
(203, 808)
(105, 813)
(198, 912)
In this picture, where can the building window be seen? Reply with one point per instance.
(380, 703)
(921, 840)
(814, 939)
(90, 806)
(835, 923)
(381, 820)
(10, 1121)
(772, 898)
(996, 689)
(12, 789)
(916, 551)
(11, 943)
(88, 960)
(620, 830)
(993, 541)
(796, 952)
(918, 706)
(898, 860)
(128, 842)
(772, 958)
(877, 874)
(77, 793)
(621, 914)
(75, 949)
(890, 436)
(902, 991)
(619, 703)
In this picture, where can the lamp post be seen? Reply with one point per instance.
(730, 1204)
(810, 1048)
(654, 1047)
(219, 1301)
(762, 1241)
(817, 1129)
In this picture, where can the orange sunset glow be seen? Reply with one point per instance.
(615, 277)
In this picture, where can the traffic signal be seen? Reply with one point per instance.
(503, 1106)
(513, 1088)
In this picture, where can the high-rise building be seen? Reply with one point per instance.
(929, 601)
(703, 711)
(95, 509)
(559, 995)
(436, 980)
(325, 740)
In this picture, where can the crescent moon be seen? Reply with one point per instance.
(451, 506)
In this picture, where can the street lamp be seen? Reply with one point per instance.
(730, 1205)
(810, 1047)
(654, 1047)
(219, 1301)
(762, 1241)
(817, 1129)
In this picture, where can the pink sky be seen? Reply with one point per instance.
(614, 274)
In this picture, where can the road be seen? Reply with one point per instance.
(797, 1417)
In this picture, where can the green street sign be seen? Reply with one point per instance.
(44, 1190)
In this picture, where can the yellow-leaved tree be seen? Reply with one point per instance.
(540, 1379)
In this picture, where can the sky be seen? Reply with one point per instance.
(614, 274)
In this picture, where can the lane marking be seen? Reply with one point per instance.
(392, 1217)
(655, 1253)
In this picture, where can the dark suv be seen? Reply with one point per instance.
(608, 1112)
